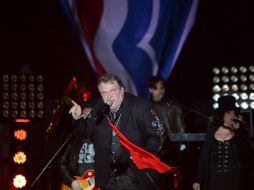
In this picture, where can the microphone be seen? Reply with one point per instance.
(103, 110)
(238, 119)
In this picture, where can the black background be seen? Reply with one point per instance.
(35, 37)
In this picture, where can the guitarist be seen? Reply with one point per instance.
(77, 158)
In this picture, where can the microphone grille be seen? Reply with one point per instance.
(109, 102)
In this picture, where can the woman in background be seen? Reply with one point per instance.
(224, 162)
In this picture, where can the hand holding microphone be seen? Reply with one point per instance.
(237, 121)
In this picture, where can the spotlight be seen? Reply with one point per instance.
(31, 87)
(23, 114)
(216, 70)
(5, 78)
(251, 87)
(22, 87)
(216, 79)
(14, 96)
(225, 79)
(224, 70)
(6, 104)
(19, 181)
(244, 96)
(22, 96)
(243, 87)
(225, 88)
(14, 78)
(243, 78)
(31, 96)
(19, 158)
(39, 78)
(234, 78)
(216, 97)
(251, 77)
(252, 105)
(31, 78)
(22, 78)
(251, 96)
(216, 88)
(20, 134)
(14, 105)
(215, 105)
(244, 105)
(234, 87)
(19, 91)
(236, 95)
(5, 87)
(233, 69)
(14, 87)
(23, 105)
(242, 69)
(5, 95)
(251, 68)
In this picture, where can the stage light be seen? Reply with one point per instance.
(215, 105)
(20, 134)
(243, 87)
(243, 78)
(234, 80)
(216, 79)
(251, 68)
(236, 95)
(216, 88)
(244, 105)
(23, 93)
(224, 70)
(216, 97)
(19, 157)
(216, 70)
(19, 181)
(23, 114)
(225, 88)
(252, 105)
(251, 96)
(251, 86)
(242, 69)
(244, 96)
(251, 77)
(234, 87)
(225, 79)
(233, 69)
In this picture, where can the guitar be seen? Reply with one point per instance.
(87, 181)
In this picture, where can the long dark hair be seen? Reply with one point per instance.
(216, 119)
(110, 78)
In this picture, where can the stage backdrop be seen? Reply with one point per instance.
(135, 39)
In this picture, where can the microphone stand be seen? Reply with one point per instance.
(52, 158)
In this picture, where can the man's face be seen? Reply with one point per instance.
(158, 92)
(112, 91)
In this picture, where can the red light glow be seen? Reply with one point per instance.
(22, 120)
(20, 134)
(19, 158)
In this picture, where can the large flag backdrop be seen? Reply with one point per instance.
(135, 39)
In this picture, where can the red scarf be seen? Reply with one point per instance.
(141, 157)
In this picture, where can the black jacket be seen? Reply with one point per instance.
(244, 153)
(68, 162)
(141, 126)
